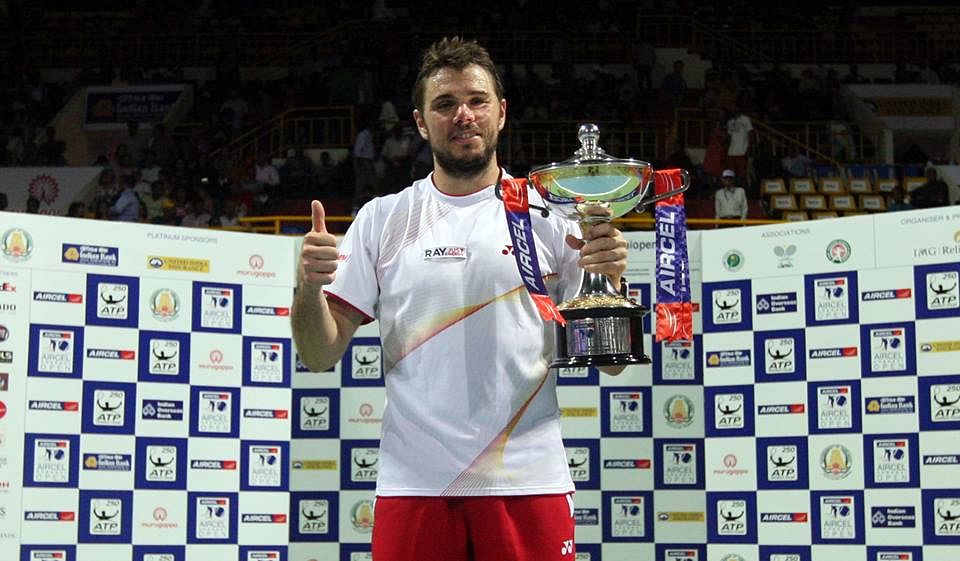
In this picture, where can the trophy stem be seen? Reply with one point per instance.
(596, 284)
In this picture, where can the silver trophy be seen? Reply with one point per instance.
(603, 327)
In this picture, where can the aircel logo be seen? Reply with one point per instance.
(61, 297)
(111, 354)
(266, 311)
(838, 352)
(893, 294)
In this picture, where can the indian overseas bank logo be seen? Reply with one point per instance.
(16, 245)
(165, 304)
(777, 303)
(945, 403)
(733, 260)
(315, 413)
(314, 516)
(366, 362)
(785, 256)
(891, 460)
(105, 519)
(727, 306)
(732, 517)
(838, 251)
(779, 355)
(363, 465)
(361, 516)
(114, 300)
(838, 517)
(836, 461)
(730, 411)
(947, 517)
(678, 411)
(943, 292)
(782, 463)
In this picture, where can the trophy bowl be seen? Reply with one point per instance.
(602, 327)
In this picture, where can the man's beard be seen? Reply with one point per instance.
(467, 167)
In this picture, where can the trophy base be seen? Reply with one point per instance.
(602, 336)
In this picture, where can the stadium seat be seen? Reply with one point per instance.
(911, 183)
(824, 214)
(796, 216)
(783, 202)
(856, 171)
(873, 203)
(813, 202)
(802, 186)
(773, 187)
(859, 185)
(832, 186)
(843, 202)
(913, 170)
(886, 185)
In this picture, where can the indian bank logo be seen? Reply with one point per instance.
(836, 461)
(678, 411)
(165, 304)
(16, 245)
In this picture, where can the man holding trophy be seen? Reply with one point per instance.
(472, 465)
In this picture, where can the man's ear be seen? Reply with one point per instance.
(503, 114)
(421, 125)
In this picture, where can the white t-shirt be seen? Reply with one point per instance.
(739, 130)
(471, 405)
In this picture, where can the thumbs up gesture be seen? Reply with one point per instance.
(318, 255)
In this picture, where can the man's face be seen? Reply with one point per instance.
(461, 119)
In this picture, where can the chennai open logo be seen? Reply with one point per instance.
(16, 245)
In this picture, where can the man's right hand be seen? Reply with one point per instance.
(318, 256)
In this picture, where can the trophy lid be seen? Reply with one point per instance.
(592, 176)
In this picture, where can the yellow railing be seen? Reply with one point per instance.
(275, 224)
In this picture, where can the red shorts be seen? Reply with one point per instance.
(502, 528)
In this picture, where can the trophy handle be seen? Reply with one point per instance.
(498, 191)
(684, 185)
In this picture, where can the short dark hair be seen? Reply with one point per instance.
(456, 53)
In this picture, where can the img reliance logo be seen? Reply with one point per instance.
(16, 245)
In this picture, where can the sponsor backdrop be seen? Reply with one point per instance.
(152, 406)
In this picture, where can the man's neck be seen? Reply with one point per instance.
(460, 186)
